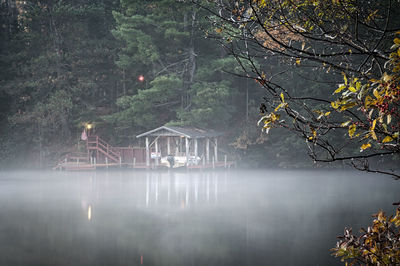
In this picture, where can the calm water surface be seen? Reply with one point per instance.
(178, 218)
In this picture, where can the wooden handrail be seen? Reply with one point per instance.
(103, 147)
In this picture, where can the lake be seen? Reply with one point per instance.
(231, 217)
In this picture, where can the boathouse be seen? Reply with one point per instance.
(196, 146)
(165, 146)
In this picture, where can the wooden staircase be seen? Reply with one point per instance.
(99, 154)
(96, 145)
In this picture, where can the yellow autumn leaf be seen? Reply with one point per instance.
(327, 113)
(341, 87)
(277, 108)
(365, 146)
(347, 106)
(376, 94)
(262, 3)
(396, 41)
(282, 97)
(387, 139)
(388, 119)
(352, 130)
(385, 127)
(352, 89)
(335, 105)
(218, 30)
(373, 124)
(358, 86)
(373, 135)
(386, 77)
(345, 124)
(345, 78)
(368, 102)
(298, 60)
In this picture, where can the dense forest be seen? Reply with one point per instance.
(130, 66)
(67, 63)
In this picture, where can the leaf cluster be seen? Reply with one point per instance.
(379, 244)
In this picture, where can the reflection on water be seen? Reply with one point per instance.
(177, 190)
(179, 218)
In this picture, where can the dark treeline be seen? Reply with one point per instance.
(67, 63)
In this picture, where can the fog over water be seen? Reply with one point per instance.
(180, 218)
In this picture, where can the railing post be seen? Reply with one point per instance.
(134, 161)
(120, 161)
(106, 162)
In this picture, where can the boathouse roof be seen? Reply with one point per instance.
(188, 132)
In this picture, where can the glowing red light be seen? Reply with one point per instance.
(141, 78)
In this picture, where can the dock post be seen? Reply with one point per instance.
(156, 151)
(106, 162)
(225, 160)
(120, 161)
(94, 160)
(77, 161)
(213, 162)
(195, 151)
(204, 162)
(187, 147)
(134, 161)
(168, 146)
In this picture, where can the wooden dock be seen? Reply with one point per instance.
(101, 155)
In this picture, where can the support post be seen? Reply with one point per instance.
(120, 161)
(195, 150)
(106, 162)
(187, 150)
(147, 152)
(225, 161)
(168, 146)
(134, 161)
(216, 150)
(208, 150)
(177, 147)
(213, 162)
(156, 148)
